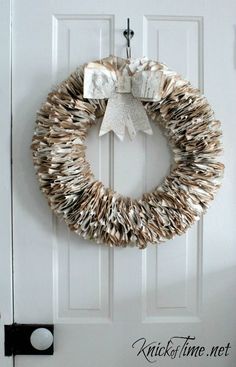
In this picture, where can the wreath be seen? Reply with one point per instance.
(99, 213)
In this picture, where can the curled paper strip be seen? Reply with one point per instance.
(99, 213)
(125, 85)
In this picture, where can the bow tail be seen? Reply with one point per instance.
(138, 116)
(113, 119)
(123, 111)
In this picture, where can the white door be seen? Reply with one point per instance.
(104, 300)
(6, 313)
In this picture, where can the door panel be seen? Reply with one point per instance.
(103, 299)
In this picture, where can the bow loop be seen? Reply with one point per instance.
(99, 81)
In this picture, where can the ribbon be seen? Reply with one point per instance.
(124, 84)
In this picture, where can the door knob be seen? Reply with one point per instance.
(41, 338)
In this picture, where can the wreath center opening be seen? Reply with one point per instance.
(107, 156)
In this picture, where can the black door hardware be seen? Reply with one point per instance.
(29, 339)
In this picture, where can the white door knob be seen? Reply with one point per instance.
(41, 338)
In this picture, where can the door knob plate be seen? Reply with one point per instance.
(29, 339)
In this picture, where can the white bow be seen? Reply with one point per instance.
(124, 87)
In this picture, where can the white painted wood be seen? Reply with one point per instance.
(184, 31)
(6, 312)
(166, 299)
(101, 300)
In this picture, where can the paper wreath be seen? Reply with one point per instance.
(101, 214)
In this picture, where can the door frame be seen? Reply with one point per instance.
(6, 249)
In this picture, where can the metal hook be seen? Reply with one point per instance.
(128, 33)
